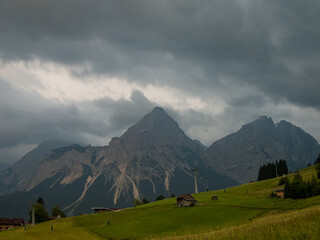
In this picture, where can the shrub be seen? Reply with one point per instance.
(161, 197)
(283, 180)
(136, 202)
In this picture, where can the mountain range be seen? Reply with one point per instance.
(239, 155)
(153, 157)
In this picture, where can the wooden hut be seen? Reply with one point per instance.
(186, 200)
(279, 192)
(214, 197)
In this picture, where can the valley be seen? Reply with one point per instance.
(241, 212)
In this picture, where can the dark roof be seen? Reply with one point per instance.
(11, 221)
(105, 209)
(187, 197)
(279, 190)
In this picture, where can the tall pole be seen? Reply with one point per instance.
(33, 215)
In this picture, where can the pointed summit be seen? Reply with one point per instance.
(260, 122)
(157, 127)
(157, 118)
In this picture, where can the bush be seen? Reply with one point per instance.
(136, 202)
(283, 180)
(161, 197)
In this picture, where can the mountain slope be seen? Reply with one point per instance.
(154, 157)
(3, 166)
(241, 212)
(14, 179)
(239, 155)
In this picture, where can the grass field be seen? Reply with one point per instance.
(242, 212)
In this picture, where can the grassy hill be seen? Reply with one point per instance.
(242, 212)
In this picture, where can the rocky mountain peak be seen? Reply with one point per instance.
(156, 127)
(262, 126)
(242, 153)
(261, 122)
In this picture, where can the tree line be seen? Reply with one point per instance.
(41, 214)
(272, 170)
(298, 188)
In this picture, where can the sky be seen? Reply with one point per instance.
(85, 71)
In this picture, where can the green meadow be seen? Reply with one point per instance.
(242, 212)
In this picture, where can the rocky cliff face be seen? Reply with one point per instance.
(15, 178)
(152, 158)
(240, 154)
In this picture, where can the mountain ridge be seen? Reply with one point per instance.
(153, 157)
(259, 142)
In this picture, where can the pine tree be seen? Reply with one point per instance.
(318, 170)
(41, 215)
(313, 187)
(40, 201)
(299, 187)
(317, 161)
(288, 190)
(56, 211)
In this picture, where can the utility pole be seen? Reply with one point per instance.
(195, 170)
(33, 213)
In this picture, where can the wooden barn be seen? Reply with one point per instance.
(186, 200)
(280, 193)
(10, 223)
(103, 209)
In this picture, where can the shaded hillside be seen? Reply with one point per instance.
(244, 212)
(239, 155)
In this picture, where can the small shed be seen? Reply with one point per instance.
(186, 200)
(214, 197)
(279, 192)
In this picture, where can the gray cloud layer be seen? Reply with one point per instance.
(251, 53)
(29, 118)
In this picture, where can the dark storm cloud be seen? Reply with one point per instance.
(251, 53)
(272, 45)
(28, 118)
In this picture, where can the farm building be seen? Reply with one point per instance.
(9, 223)
(103, 209)
(214, 197)
(279, 193)
(186, 200)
